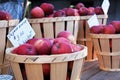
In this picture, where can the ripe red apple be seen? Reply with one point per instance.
(76, 47)
(59, 13)
(108, 29)
(61, 39)
(5, 15)
(79, 5)
(76, 12)
(99, 10)
(96, 29)
(48, 8)
(25, 49)
(43, 46)
(83, 11)
(61, 48)
(46, 69)
(116, 24)
(67, 35)
(70, 12)
(32, 41)
(37, 12)
(91, 10)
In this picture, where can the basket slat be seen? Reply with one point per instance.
(70, 26)
(59, 26)
(76, 27)
(116, 48)
(48, 30)
(58, 71)
(2, 44)
(36, 71)
(17, 71)
(37, 28)
(76, 69)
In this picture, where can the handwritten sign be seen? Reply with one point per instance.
(21, 33)
(93, 21)
(105, 6)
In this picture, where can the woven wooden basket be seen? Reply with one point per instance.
(58, 65)
(84, 35)
(5, 27)
(50, 27)
(107, 48)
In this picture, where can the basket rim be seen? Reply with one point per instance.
(45, 58)
(105, 36)
(8, 23)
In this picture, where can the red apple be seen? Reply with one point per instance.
(99, 10)
(70, 12)
(91, 10)
(59, 13)
(46, 69)
(67, 35)
(116, 24)
(76, 12)
(48, 8)
(37, 12)
(61, 39)
(96, 29)
(32, 41)
(76, 47)
(79, 5)
(108, 29)
(5, 15)
(43, 46)
(25, 49)
(83, 11)
(61, 48)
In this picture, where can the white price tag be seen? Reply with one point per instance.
(21, 33)
(105, 6)
(93, 21)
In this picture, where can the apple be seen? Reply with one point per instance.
(37, 12)
(96, 29)
(67, 35)
(46, 69)
(116, 24)
(99, 10)
(83, 11)
(76, 12)
(79, 5)
(48, 8)
(61, 48)
(108, 29)
(25, 49)
(43, 46)
(5, 15)
(70, 12)
(59, 13)
(61, 39)
(32, 41)
(76, 47)
(91, 10)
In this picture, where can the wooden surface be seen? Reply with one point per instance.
(91, 71)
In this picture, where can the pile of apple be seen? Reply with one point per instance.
(64, 43)
(48, 10)
(4, 15)
(112, 28)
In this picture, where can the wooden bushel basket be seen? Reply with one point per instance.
(84, 35)
(107, 48)
(5, 27)
(50, 27)
(58, 65)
